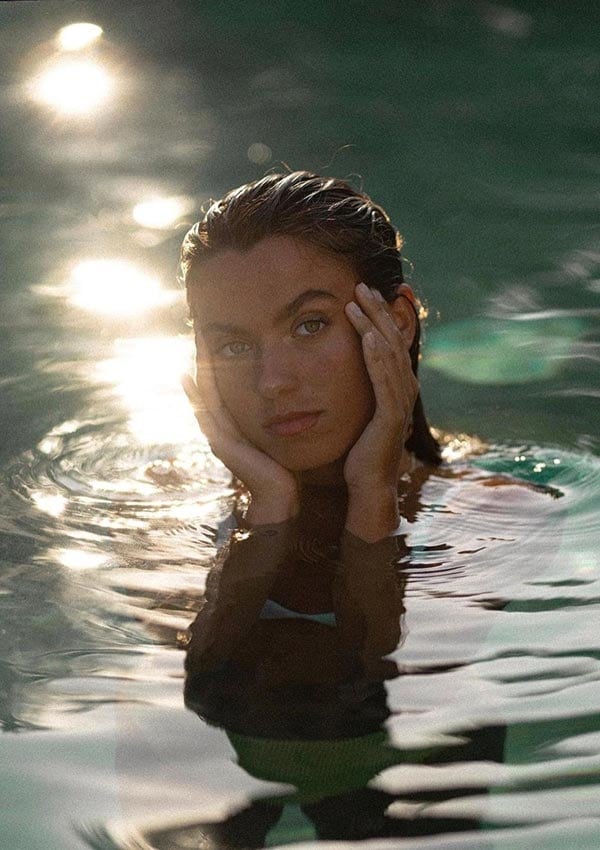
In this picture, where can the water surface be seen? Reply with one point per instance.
(475, 124)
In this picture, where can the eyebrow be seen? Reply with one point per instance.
(286, 312)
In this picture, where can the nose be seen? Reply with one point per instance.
(276, 372)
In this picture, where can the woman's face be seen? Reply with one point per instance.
(287, 362)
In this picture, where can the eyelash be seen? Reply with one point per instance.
(222, 350)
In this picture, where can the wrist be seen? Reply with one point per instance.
(373, 514)
(272, 509)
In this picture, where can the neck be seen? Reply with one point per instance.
(331, 475)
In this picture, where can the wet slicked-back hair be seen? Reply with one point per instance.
(322, 211)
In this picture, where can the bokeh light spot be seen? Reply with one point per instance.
(50, 503)
(159, 213)
(259, 153)
(509, 351)
(146, 372)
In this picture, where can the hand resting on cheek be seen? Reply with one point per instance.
(273, 488)
(378, 458)
(373, 464)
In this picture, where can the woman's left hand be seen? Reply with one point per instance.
(375, 462)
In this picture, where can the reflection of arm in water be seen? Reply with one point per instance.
(365, 596)
(368, 597)
(237, 588)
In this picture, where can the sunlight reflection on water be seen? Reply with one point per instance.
(73, 86)
(145, 372)
(77, 36)
(114, 287)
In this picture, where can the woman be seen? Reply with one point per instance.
(306, 387)
(296, 289)
(307, 345)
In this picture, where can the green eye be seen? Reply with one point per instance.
(310, 327)
(234, 349)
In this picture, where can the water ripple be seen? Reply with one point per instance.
(90, 477)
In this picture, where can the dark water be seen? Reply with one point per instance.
(476, 125)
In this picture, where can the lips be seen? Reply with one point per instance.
(291, 424)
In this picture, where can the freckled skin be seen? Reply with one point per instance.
(286, 365)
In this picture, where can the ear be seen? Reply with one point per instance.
(404, 312)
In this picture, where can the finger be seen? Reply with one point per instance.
(207, 389)
(191, 391)
(365, 327)
(384, 379)
(203, 417)
(375, 307)
(401, 366)
(194, 396)
(395, 358)
(205, 379)
(358, 318)
(383, 324)
(395, 389)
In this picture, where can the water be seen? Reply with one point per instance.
(475, 125)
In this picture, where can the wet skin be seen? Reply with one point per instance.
(302, 368)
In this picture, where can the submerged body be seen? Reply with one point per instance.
(306, 387)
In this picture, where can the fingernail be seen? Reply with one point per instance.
(377, 295)
(353, 308)
(364, 290)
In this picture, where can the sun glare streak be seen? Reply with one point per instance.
(160, 213)
(73, 86)
(146, 373)
(114, 287)
(78, 36)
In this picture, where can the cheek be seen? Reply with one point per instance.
(235, 390)
(349, 388)
(352, 373)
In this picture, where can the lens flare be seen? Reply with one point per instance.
(114, 287)
(78, 36)
(73, 86)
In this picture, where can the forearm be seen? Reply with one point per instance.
(373, 515)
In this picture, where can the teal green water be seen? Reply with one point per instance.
(476, 126)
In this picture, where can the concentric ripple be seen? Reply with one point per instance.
(512, 513)
(92, 477)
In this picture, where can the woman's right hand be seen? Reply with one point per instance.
(273, 489)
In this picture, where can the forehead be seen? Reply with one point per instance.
(268, 276)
